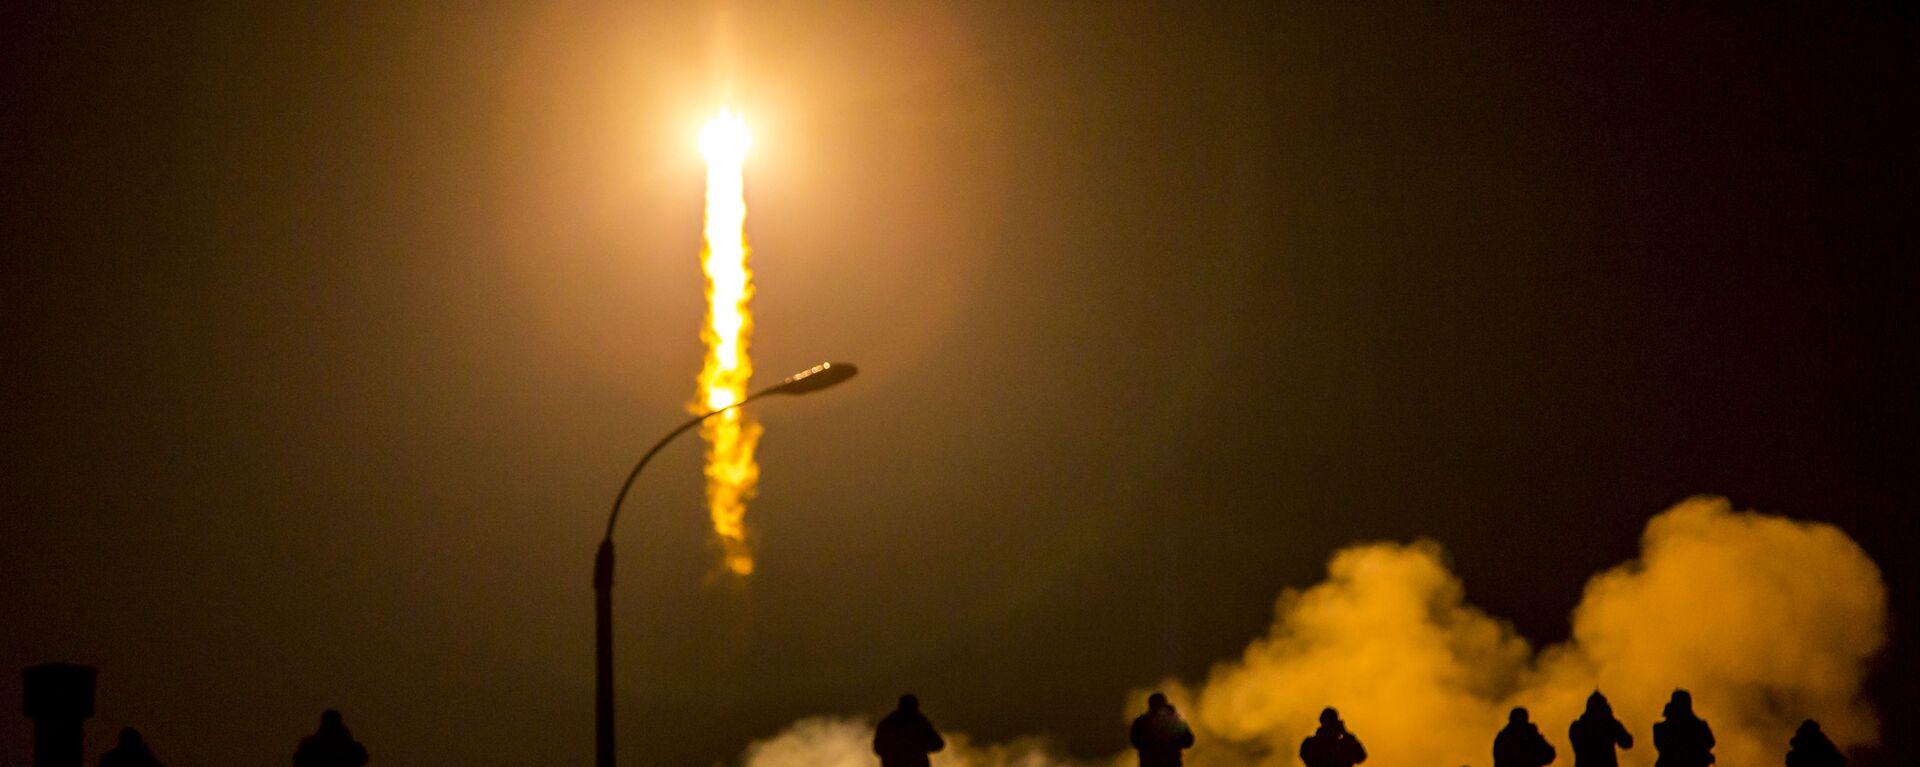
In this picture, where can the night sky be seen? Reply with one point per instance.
(328, 336)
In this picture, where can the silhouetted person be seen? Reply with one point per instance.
(1683, 740)
(1810, 748)
(1596, 733)
(1520, 744)
(330, 746)
(1332, 745)
(1160, 734)
(905, 737)
(132, 752)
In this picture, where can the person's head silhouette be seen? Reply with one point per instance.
(1809, 727)
(909, 702)
(1329, 717)
(1680, 705)
(1157, 701)
(1597, 705)
(1517, 716)
(130, 738)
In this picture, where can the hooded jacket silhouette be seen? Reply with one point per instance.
(1332, 745)
(330, 746)
(1520, 744)
(132, 751)
(1160, 734)
(1595, 734)
(1811, 748)
(905, 737)
(1683, 740)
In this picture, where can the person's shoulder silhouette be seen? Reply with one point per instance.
(1596, 733)
(1682, 738)
(905, 737)
(1332, 745)
(1160, 734)
(330, 746)
(1520, 743)
(131, 751)
(1811, 748)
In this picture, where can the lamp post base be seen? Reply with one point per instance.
(603, 655)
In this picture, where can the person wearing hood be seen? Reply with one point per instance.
(1521, 744)
(906, 736)
(1596, 733)
(1332, 745)
(330, 746)
(131, 752)
(1683, 740)
(1810, 748)
(1160, 734)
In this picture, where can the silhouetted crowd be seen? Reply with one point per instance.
(330, 746)
(906, 737)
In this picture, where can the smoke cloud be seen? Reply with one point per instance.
(1766, 620)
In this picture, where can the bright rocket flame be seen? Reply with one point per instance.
(731, 436)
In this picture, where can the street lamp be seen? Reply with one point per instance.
(807, 381)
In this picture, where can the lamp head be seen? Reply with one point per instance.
(815, 378)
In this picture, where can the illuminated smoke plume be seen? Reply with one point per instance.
(1418, 674)
(1766, 620)
(730, 436)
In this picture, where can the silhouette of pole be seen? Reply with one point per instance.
(806, 381)
(59, 698)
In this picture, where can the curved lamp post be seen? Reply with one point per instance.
(806, 381)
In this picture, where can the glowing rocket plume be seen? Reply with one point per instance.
(731, 436)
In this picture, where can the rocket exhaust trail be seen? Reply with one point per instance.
(731, 470)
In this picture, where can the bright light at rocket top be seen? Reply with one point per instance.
(731, 437)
